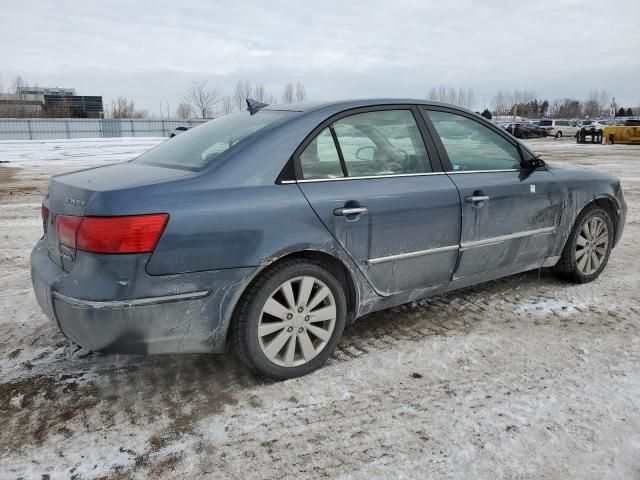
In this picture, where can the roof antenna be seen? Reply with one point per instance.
(254, 106)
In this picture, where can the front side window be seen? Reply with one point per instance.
(320, 158)
(385, 142)
(472, 146)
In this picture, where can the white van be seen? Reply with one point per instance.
(559, 128)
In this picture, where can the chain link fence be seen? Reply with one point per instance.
(60, 128)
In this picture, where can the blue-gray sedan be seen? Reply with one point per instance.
(267, 231)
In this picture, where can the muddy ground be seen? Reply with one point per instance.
(524, 377)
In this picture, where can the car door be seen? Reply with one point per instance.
(510, 214)
(572, 128)
(377, 186)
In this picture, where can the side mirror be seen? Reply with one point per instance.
(366, 153)
(535, 162)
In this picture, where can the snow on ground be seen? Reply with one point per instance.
(524, 377)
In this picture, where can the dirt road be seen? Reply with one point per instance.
(524, 377)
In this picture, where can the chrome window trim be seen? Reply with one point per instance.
(419, 253)
(504, 238)
(138, 302)
(309, 180)
(424, 174)
(453, 172)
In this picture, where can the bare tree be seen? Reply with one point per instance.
(184, 110)
(202, 98)
(499, 103)
(259, 93)
(287, 93)
(471, 99)
(272, 100)
(301, 94)
(17, 85)
(227, 105)
(596, 103)
(462, 98)
(19, 108)
(241, 93)
(121, 107)
(465, 98)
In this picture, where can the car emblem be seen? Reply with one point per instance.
(74, 201)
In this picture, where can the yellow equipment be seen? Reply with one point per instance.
(629, 133)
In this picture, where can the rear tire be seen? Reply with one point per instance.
(559, 135)
(290, 320)
(588, 247)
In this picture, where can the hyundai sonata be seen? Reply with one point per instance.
(268, 230)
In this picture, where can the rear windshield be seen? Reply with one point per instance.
(545, 123)
(200, 146)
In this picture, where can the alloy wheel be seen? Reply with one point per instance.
(592, 245)
(297, 321)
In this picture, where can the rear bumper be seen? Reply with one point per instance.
(184, 322)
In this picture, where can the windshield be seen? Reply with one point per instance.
(198, 147)
(587, 122)
(545, 123)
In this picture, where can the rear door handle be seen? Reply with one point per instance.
(344, 211)
(477, 198)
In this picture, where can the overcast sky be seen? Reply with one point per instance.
(150, 51)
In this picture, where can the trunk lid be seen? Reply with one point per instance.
(70, 194)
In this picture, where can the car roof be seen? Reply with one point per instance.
(339, 105)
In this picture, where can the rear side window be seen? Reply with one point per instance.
(320, 158)
(545, 123)
(385, 142)
(472, 146)
(199, 147)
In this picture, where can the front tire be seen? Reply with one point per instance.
(290, 320)
(588, 247)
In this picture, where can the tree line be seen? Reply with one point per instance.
(203, 100)
(526, 103)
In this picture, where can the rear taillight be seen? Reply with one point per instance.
(67, 229)
(130, 234)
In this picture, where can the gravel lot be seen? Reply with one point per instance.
(524, 377)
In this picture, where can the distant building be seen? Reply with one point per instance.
(50, 102)
(41, 91)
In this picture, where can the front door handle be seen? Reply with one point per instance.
(477, 198)
(345, 211)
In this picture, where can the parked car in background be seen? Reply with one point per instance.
(525, 130)
(180, 129)
(593, 127)
(559, 128)
(267, 231)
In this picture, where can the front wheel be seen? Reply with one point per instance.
(588, 247)
(290, 320)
